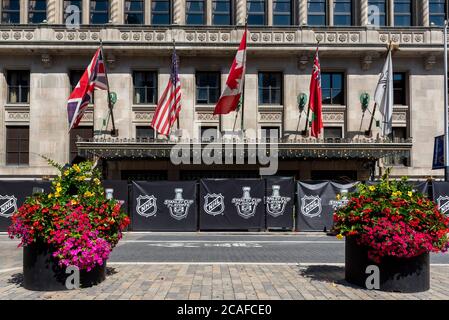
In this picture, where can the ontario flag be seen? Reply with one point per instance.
(169, 105)
(315, 101)
(93, 77)
(232, 92)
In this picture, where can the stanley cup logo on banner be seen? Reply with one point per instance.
(8, 205)
(275, 203)
(246, 206)
(146, 206)
(179, 207)
(214, 204)
(443, 204)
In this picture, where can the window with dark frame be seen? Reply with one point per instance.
(83, 132)
(134, 12)
(380, 13)
(332, 87)
(17, 145)
(99, 11)
(208, 134)
(77, 3)
(145, 133)
(256, 11)
(317, 12)
(403, 13)
(74, 78)
(221, 12)
(207, 87)
(160, 12)
(437, 12)
(11, 11)
(333, 132)
(195, 12)
(18, 86)
(343, 13)
(399, 88)
(37, 11)
(267, 132)
(145, 87)
(282, 12)
(399, 134)
(270, 88)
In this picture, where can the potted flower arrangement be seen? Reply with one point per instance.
(73, 225)
(395, 228)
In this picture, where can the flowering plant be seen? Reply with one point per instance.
(391, 219)
(75, 218)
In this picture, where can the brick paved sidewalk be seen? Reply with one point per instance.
(193, 281)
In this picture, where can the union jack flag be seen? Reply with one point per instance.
(169, 105)
(93, 77)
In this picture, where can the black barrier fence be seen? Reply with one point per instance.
(279, 201)
(12, 196)
(232, 204)
(164, 206)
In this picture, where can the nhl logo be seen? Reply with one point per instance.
(443, 204)
(275, 203)
(311, 206)
(179, 207)
(146, 206)
(8, 205)
(246, 206)
(214, 204)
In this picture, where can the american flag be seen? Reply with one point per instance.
(169, 104)
(93, 77)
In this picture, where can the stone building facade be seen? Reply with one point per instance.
(43, 51)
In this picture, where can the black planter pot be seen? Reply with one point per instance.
(405, 275)
(42, 273)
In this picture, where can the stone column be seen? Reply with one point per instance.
(179, 13)
(425, 13)
(51, 11)
(117, 11)
(147, 13)
(330, 10)
(390, 13)
(302, 14)
(269, 21)
(85, 12)
(23, 11)
(208, 13)
(240, 12)
(363, 12)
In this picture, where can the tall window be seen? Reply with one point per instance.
(195, 11)
(160, 12)
(17, 145)
(317, 13)
(403, 13)
(399, 89)
(437, 10)
(37, 11)
(145, 133)
(207, 87)
(342, 12)
(332, 132)
(282, 12)
(11, 11)
(84, 132)
(74, 78)
(99, 11)
(18, 86)
(221, 12)
(134, 11)
(208, 134)
(77, 3)
(377, 12)
(332, 87)
(270, 88)
(256, 12)
(266, 133)
(145, 87)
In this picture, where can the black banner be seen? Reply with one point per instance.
(164, 206)
(12, 196)
(316, 203)
(232, 204)
(441, 195)
(119, 191)
(279, 200)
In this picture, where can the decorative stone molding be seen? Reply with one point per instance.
(399, 117)
(207, 116)
(115, 11)
(302, 12)
(303, 62)
(88, 117)
(51, 11)
(241, 12)
(17, 114)
(333, 117)
(270, 117)
(46, 60)
(425, 12)
(366, 62)
(341, 37)
(177, 12)
(429, 62)
(363, 12)
(143, 116)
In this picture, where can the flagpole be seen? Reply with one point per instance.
(446, 109)
(242, 97)
(114, 131)
(306, 128)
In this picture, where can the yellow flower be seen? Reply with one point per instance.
(57, 194)
(50, 195)
(410, 193)
(97, 181)
(339, 236)
(88, 194)
(397, 194)
(58, 189)
(372, 188)
(58, 184)
(66, 173)
(338, 196)
(73, 202)
(76, 168)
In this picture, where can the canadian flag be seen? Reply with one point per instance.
(232, 92)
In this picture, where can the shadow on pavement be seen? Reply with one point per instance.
(16, 279)
(326, 273)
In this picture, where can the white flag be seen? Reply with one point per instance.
(384, 96)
